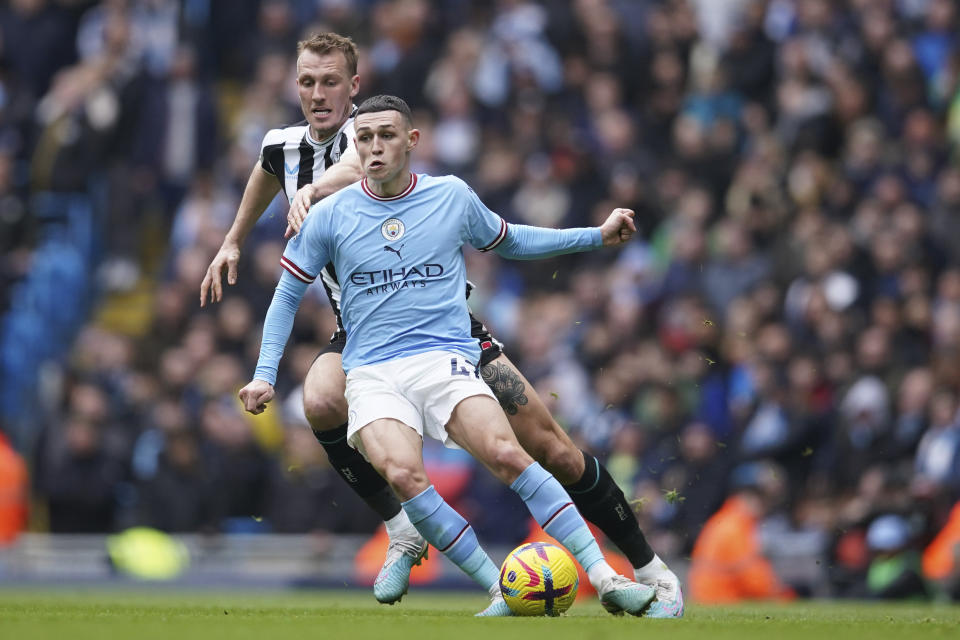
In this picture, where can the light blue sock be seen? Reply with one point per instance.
(553, 510)
(453, 536)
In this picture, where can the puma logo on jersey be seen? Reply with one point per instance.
(396, 251)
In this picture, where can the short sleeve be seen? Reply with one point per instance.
(271, 151)
(308, 252)
(483, 229)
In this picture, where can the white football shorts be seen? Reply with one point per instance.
(420, 390)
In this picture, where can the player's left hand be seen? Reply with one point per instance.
(256, 395)
(618, 228)
(303, 199)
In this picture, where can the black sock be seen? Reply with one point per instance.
(601, 501)
(358, 473)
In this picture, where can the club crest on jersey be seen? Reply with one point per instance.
(392, 229)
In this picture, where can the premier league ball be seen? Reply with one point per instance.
(538, 579)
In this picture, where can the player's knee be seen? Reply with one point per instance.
(562, 459)
(509, 459)
(324, 411)
(407, 480)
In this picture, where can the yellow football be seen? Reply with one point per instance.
(539, 579)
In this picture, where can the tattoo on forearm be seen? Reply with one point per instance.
(506, 386)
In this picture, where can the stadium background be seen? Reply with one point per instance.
(788, 322)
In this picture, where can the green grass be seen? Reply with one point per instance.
(140, 613)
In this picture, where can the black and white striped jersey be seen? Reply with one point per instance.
(292, 156)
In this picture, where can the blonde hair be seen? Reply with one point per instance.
(322, 43)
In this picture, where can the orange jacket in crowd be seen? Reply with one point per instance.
(939, 559)
(13, 493)
(727, 563)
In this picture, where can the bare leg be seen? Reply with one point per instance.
(396, 451)
(326, 410)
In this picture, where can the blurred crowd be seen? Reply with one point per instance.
(787, 326)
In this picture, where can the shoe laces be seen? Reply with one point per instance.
(617, 582)
(666, 585)
(400, 547)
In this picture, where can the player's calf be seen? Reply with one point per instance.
(562, 459)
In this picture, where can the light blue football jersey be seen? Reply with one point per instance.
(400, 265)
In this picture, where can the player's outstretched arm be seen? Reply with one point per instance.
(257, 195)
(344, 173)
(522, 242)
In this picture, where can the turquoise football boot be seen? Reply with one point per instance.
(621, 595)
(393, 581)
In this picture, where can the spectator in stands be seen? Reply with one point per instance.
(894, 572)
(79, 479)
(728, 563)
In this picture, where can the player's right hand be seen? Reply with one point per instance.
(256, 395)
(618, 228)
(229, 257)
(303, 199)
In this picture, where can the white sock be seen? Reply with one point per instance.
(650, 570)
(599, 573)
(399, 527)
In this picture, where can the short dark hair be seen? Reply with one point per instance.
(323, 43)
(386, 103)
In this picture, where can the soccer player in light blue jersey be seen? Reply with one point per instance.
(396, 241)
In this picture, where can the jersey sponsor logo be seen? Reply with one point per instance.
(392, 229)
(396, 251)
(385, 276)
(291, 170)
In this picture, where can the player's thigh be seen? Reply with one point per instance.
(478, 425)
(323, 392)
(536, 430)
(395, 450)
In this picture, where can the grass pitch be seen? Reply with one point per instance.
(351, 615)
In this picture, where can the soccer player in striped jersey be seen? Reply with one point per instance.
(411, 364)
(327, 81)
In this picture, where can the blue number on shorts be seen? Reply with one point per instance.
(458, 372)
